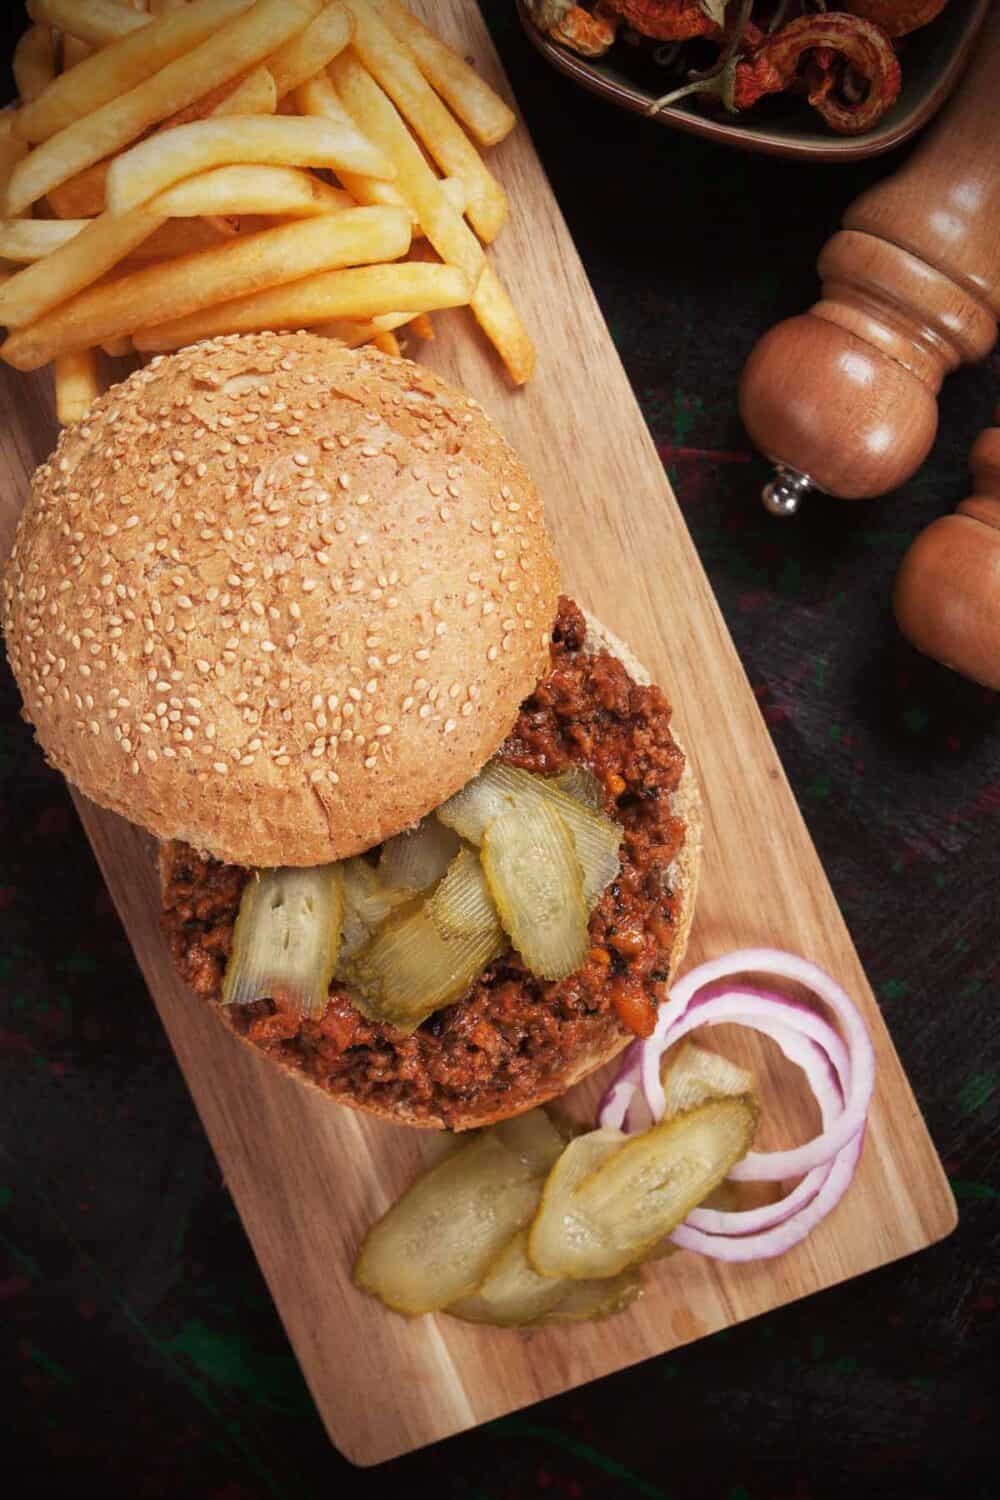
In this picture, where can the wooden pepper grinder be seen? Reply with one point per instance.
(947, 597)
(843, 398)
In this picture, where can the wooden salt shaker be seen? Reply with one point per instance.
(843, 398)
(947, 597)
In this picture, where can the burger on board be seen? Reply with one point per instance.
(426, 838)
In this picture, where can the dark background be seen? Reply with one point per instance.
(141, 1355)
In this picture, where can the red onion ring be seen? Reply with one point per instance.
(613, 1111)
(678, 1017)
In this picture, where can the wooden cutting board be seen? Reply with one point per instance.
(307, 1176)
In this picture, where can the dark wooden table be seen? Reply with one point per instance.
(141, 1354)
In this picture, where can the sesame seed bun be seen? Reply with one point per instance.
(278, 599)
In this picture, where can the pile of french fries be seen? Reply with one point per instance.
(204, 167)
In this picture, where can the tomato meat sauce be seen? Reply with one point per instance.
(513, 1035)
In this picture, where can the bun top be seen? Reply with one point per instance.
(277, 598)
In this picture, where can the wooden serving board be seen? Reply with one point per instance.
(308, 1176)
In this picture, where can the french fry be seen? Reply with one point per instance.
(483, 113)
(273, 140)
(180, 237)
(318, 97)
(253, 94)
(360, 292)
(388, 343)
(37, 289)
(422, 328)
(96, 22)
(252, 190)
(34, 63)
(392, 66)
(365, 102)
(25, 240)
(74, 51)
(310, 51)
(160, 7)
(78, 385)
(232, 50)
(83, 196)
(350, 331)
(454, 190)
(498, 318)
(12, 150)
(496, 315)
(114, 70)
(169, 290)
(444, 229)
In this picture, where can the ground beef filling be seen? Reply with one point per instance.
(513, 1035)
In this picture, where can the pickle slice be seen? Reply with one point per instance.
(437, 1242)
(558, 1228)
(416, 860)
(535, 879)
(596, 1224)
(500, 788)
(692, 1074)
(589, 1301)
(533, 1138)
(512, 1293)
(471, 811)
(583, 785)
(368, 901)
(462, 903)
(286, 939)
(408, 970)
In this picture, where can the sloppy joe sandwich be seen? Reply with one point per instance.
(426, 838)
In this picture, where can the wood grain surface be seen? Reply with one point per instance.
(308, 1176)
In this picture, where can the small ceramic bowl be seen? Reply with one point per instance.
(932, 61)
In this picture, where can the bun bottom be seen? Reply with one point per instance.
(686, 805)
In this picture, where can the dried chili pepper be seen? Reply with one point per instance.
(667, 20)
(774, 65)
(896, 17)
(589, 34)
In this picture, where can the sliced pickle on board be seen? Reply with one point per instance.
(438, 1241)
(287, 938)
(416, 860)
(589, 1301)
(598, 1223)
(408, 970)
(512, 1293)
(532, 1137)
(535, 879)
(462, 903)
(692, 1074)
(558, 1227)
